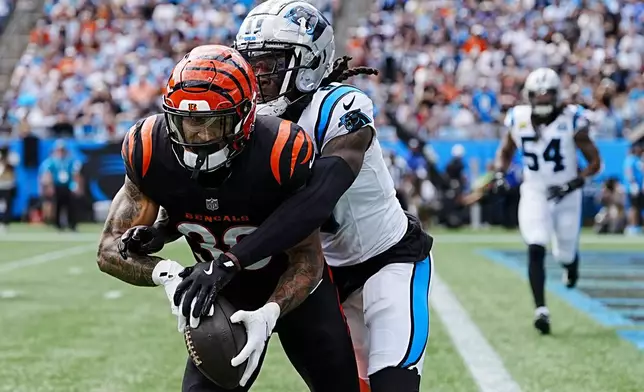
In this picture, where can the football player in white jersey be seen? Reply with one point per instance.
(548, 134)
(379, 255)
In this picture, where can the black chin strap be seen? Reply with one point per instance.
(201, 158)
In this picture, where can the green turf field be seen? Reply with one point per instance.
(67, 327)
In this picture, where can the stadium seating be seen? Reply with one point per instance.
(455, 66)
(99, 66)
(6, 7)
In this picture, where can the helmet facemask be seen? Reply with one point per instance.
(206, 141)
(282, 75)
(544, 102)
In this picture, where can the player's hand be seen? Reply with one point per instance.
(141, 240)
(558, 192)
(200, 284)
(167, 273)
(259, 326)
(499, 185)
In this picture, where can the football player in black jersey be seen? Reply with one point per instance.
(219, 172)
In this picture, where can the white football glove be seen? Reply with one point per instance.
(166, 274)
(259, 326)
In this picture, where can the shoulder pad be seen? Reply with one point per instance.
(517, 115)
(137, 148)
(292, 155)
(579, 115)
(342, 109)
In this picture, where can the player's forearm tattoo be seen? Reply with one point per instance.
(351, 147)
(129, 208)
(306, 264)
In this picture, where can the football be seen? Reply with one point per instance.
(215, 342)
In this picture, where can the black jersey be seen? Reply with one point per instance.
(217, 209)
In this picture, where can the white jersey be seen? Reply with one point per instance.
(368, 216)
(551, 157)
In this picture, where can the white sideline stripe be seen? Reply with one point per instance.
(45, 257)
(481, 360)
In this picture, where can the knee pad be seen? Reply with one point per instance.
(536, 253)
(393, 379)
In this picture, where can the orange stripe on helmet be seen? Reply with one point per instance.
(283, 134)
(297, 146)
(146, 139)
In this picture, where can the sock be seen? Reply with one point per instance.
(391, 379)
(537, 273)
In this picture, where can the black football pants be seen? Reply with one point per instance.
(65, 201)
(6, 198)
(316, 339)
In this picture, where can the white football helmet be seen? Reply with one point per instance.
(290, 45)
(543, 90)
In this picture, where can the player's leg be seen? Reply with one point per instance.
(567, 224)
(315, 337)
(535, 226)
(354, 311)
(396, 313)
(195, 381)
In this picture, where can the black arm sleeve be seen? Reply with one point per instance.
(299, 215)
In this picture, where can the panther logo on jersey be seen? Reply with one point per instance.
(354, 120)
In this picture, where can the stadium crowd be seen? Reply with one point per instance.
(93, 67)
(6, 7)
(454, 67)
(449, 69)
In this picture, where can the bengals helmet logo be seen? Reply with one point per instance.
(192, 107)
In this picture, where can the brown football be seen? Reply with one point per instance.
(215, 342)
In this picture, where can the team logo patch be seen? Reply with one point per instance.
(562, 127)
(299, 12)
(354, 120)
(212, 204)
(192, 107)
(523, 125)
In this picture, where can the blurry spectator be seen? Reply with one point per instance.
(453, 212)
(64, 173)
(611, 218)
(7, 187)
(103, 63)
(6, 7)
(634, 182)
(463, 63)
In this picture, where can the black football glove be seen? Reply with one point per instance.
(558, 192)
(141, 240)
(202, 282)
(499, 185)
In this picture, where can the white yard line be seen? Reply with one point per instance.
(481, 360)
(45, 257)
(50, 237)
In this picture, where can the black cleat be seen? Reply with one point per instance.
(542, 323)
(571, 274)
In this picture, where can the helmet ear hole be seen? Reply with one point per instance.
(307, 79)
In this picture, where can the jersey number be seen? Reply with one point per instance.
(208, 243)
(552, 153)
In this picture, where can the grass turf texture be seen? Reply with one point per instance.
(72, 328)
